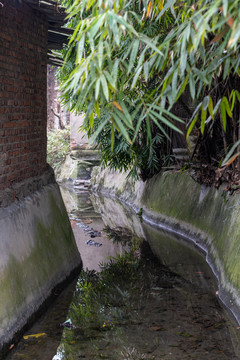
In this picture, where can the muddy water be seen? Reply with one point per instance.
(154, 309)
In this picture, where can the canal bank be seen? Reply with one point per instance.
(205, 216)
(38, 254)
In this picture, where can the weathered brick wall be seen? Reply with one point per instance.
(23, 111)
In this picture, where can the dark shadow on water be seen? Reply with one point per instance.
(42, 339)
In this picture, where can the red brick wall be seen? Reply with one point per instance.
(23, 112)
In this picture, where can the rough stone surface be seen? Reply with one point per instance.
(92, 155)
(77, 165)
(37, 252)
(204, 215)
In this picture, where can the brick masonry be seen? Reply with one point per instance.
(23, 106)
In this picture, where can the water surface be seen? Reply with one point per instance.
(159, 302)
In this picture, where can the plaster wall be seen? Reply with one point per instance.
(203, 215)
(37, 253)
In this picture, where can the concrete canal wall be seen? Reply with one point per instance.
(207, 216)
(37, 247)
(37, 252)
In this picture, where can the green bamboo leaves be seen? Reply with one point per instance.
(225, 110)
(135, 61)
(106, 75)
(208, 112)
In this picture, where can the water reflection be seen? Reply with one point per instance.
(178, 255)
(88, 226)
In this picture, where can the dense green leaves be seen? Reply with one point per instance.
(135, 60)
(113, 53)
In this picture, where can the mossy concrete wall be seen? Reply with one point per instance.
(37, 252)
(204, 215)
(77, 165)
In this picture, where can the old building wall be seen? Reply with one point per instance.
(23, 65)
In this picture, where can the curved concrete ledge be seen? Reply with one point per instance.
(37, 253)
(203, 215)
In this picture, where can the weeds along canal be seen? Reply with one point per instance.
(142, 294)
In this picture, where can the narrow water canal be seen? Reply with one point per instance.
(142, 294)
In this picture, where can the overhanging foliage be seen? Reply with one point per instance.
(134, 60)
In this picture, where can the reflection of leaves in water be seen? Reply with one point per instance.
(106, 300)
(133, 354)
(131, 297)
(104, 303)
(122, 235)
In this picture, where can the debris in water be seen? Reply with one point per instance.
(92, 233)
(26, 337)
(68, 324)
(156, 328)
(56, 357)
(87, 221)
(93, 243)
(82, 226)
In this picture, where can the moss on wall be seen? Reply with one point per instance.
(78, 164)
(39, 253)
(203, 211)
(206, 215)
